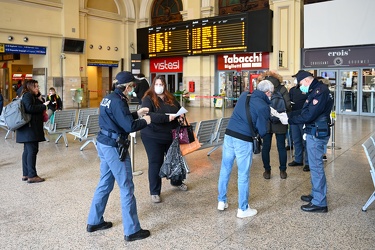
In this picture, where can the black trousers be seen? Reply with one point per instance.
(30, 150)
(156, 150)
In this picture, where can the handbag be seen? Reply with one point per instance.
(185, 132)
(191, 147)
(257, 140)
(45, 116)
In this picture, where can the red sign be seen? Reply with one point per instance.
(245, 61)
(167, 64)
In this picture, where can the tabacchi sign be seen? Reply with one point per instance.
(168, 64)
(255, 60)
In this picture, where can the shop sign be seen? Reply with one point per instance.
(168, 64)
(22, 49)
(339, 57)
(243, 61)
(102, 63)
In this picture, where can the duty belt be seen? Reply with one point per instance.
(112, 135)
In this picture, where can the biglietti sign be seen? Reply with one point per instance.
(243, 61)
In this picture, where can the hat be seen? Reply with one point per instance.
(302, 74)
(124, 77)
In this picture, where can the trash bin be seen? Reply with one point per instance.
(77, 96)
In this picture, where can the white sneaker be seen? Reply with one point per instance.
(247, 213)
(155, 198)
(222, 205)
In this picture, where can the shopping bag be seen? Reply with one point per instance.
(191, 147)
(173, 167)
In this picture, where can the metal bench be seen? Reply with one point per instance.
(62, 123)
(87, 132)
(369, 148)
(219, 134)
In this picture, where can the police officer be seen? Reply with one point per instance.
(116, 122)
(315, 114)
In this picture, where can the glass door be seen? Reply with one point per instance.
(368, 92)
(347, 92)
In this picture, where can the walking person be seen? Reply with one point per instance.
(238, 144)
(32, 133)
(116, 122)
(315, 114)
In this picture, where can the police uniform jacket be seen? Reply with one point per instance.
(33, 131)
(238, 125)
(160, 126)
(297, 97)
(116, 119)
(317, 106)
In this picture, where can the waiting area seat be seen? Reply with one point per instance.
(205, 132)
(62, 123)
(88, 131)
(4, 126)
(219, 134)
(369, 148)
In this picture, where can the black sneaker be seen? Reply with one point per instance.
(101, 226)
(306, 168)
(324, 158)
(140, 235)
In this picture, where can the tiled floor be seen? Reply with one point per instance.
(53, 214)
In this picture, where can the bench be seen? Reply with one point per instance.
(369, 148)
(62, 123)
(219, 134)
(4, 126)
(88, 131)
(205, 132)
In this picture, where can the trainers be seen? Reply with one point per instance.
(140, 235)
(283, 174)
(155, 198)
(267, 174)
(183, 187)
(324, 158)
(247, 213)
(101, 226)
(222, 205)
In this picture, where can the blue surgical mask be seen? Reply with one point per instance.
(304, 89)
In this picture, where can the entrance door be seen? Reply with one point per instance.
(173, 80)
(347, 91)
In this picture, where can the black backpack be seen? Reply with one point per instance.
(278, 103)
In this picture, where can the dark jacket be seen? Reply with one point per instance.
(33, 131)
(55, 102)
(140, 88)
(279, 128)
(115, 117)
(318, 104)
(160, 127)
(297, 97)
(238, 125)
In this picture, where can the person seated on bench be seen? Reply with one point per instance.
(55, 102)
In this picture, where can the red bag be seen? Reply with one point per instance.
(45, 116)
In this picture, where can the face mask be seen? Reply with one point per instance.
(304, 89)
(270, 97)
(159, 90)
(130, 93)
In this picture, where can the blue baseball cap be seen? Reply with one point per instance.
(124, 77)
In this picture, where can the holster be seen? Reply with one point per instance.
(122, 147)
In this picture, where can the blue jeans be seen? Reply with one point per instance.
(111, 169)
(299, 144)
(242, 151)
(315, 148)
(280, 142)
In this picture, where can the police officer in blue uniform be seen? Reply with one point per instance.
(315, 114)
(116, 122)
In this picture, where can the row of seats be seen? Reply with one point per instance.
(369, 148)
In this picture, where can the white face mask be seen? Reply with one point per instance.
(269, 97)
(159, 90)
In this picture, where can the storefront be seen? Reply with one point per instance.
(238, 73)
(171, 69)
(351, 72)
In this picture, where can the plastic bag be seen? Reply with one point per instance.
(173, 166)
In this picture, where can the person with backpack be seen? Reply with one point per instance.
(55, 102)
(31, 133)
(281, 103)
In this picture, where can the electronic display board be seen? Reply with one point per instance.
(245, 32)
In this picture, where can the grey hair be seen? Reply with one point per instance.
(265, 86)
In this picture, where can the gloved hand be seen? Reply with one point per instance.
(134, 94)
(142, 111)
(283, 118)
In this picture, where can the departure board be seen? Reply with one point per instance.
(219, 34)
(244, 32)
(169, 40)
